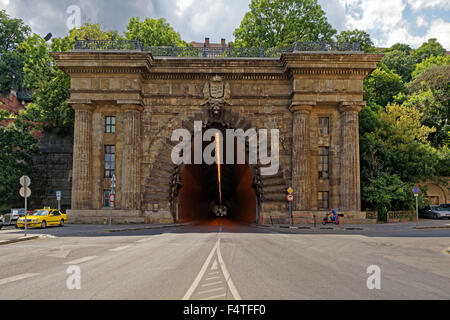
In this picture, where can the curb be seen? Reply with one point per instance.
(432, 227)
(318, 228)
(4, 242)
(146, 228)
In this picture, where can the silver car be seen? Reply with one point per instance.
(435, 212)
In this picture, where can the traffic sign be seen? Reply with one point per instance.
(22, 192)
(416, 190)
(58, 195)
(25, 181)
(290, 190)
(112, 197)
(290, 197)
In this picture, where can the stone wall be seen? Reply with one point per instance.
(52, 171)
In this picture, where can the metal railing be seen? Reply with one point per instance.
(214, 52)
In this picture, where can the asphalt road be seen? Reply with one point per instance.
(223, 260)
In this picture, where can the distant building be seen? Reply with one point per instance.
(208, 44)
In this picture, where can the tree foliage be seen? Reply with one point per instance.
(90, 31)
(17, 146)
(277, 23)
(50, 86)
(401, 62)
(382, 86)
(12, 32)
(356, 36)
(430, 48)
(153, 32)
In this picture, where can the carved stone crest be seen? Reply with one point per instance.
(217, 93)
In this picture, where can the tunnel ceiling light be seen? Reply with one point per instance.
(218, 165)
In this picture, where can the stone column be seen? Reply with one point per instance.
(130, 184)
(349, 186)
(301, 167)
(82, 157)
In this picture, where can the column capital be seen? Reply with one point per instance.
(302, 106)
(130, 105)
(81, 105)
(346, 106)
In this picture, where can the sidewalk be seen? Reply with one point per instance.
(423, 225)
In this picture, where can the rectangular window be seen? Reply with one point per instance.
(106, 202)
(323, 200)
(110, 124)
(324, 160)
(110, 161)
(324, 126)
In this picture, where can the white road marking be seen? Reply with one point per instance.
(214, 266)
(227, 275)
(119, 248)
(215, 297)
(18, 277)
(81, 260)
(212, 278)
(60, 254)
(211, 284)
(211, 290)
(200, 275)
(213, 273)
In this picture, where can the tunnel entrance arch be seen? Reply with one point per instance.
(194, 188)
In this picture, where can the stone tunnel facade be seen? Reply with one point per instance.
(127, 105)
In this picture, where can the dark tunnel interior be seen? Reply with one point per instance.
(199, 197)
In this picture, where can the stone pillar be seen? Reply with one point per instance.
(82, 157)
(349, 186)
(301, 166)
(130, 178)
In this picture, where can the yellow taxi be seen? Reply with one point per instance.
(43, 218)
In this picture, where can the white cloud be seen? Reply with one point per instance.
(421, 22)
(417, 5)
(440, 30)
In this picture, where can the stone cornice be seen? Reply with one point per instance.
(206, 76)
(81, 105)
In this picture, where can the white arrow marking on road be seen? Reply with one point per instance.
(18, 277)
(119, 248)
(81, 260)
(60, 254)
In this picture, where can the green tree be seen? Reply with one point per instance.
(430, 62)
(11, 71)
(153, 32)
(430, 48)
(12, 32)
(50, 86)
(382, 86)
(356, 36)
(277, 23)
(17, 146)
(387, 192)
(429, 91)
(400, 47)
(401, 62)
(90, 31)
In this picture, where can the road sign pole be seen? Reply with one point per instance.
(417, 209)
(290, 213)
(25, 196)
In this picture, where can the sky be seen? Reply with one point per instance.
(387, 21)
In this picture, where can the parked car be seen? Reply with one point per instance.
(445, 205)
(43, 218)
(1, 222)
(435, 212)
(11, 218)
